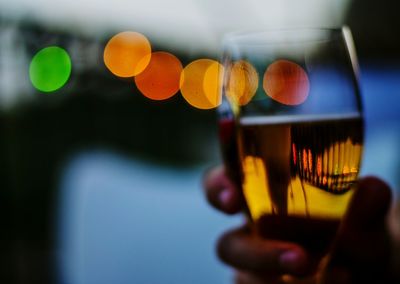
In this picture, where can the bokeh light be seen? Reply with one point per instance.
(201, 82)
(127, 54)
(50, 69)
(161, 78)
(242, 82)
(286, 82)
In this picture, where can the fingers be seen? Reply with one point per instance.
(363, 231)
(361, 251)
(337, 275)
(369, 205)
(221, 191)
(246, 251)
(243, 277)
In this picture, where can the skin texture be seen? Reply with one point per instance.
(362, 251)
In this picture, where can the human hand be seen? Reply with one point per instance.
(361, 252)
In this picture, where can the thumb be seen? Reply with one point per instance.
(361, 249)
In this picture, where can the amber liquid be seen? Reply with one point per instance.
(298, 173)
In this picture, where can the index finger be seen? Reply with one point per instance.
(362, 249)
(244, 250)
(221, 192)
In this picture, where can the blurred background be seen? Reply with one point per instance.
(100, 184)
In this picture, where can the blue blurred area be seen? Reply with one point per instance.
(127, 221)
(380, 87)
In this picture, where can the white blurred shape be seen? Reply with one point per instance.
(14, 80)
(191, 25)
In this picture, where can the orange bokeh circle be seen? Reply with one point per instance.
(286, 82)
(160, 80)
(127, 54)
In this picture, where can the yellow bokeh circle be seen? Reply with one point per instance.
(241, 82)
(201, 83)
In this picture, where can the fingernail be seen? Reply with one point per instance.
(290, 260)
(224, 197)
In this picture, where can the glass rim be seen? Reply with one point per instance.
(242, 38)
(286, 35)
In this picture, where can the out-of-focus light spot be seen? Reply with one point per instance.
(305, 159)
(294, 153)
(310, 160)
(319, 166)
(212, 83)
(286, 82)
(201, 83)
(354, 170)
(161, 78)
(50, 69)
(336, 170)
(242, 82)
(127, 54)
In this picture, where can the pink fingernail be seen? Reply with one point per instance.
(290, 260)
(224, 197)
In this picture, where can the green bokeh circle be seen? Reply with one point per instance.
(50, 69)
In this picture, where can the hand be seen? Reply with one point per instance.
(361, 252)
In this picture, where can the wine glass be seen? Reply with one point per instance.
(291, 128)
